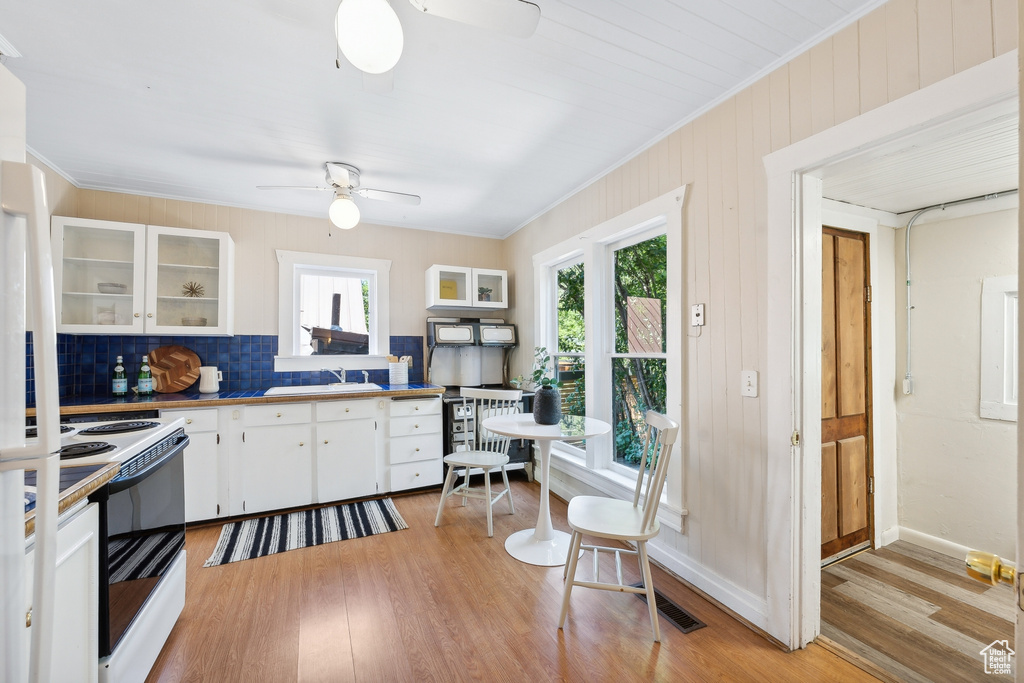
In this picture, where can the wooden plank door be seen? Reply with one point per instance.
(846, 468)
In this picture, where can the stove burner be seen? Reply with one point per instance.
(32, 432)
(84, 450)
(120, 427)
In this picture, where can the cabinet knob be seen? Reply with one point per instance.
(149, 315)
(279, 414)
(188, 420)
(415, 426)
(28, 618)
(325, 442)
(417, 474)
(346, 410)
(136, 315)
(302, 443)
(417, 450)
(417, 408)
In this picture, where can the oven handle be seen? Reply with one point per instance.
(119, 483)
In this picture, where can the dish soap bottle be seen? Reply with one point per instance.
(120, 385)
(145, 378)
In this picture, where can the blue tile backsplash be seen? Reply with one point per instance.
(86, 362)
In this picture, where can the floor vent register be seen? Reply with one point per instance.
(676, 615)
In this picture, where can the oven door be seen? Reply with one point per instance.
(143, 518)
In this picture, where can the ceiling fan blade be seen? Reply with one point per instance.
(386, 196)
(293, 187)
(514, 17)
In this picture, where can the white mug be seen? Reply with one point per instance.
(209, 379)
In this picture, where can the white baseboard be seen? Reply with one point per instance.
(939, 545)
(888, 536)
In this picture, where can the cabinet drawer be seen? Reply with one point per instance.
(407, 426)
(411, 448)
(345, 409)
(278, 413)
(426, 406)
(196, 421)
(415, 474)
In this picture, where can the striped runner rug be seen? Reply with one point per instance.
(278, 533)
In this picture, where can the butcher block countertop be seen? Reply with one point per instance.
(79, 405)
(76, 483)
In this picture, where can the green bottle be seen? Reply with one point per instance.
(145, 378)
(120, 379)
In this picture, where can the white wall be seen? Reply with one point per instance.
(957, 471)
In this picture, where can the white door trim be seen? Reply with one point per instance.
(792, 377)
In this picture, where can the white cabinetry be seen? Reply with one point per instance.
(461, 287)
(129, 278)
(414, 443)
(346, 449)
(202, 463)
(76, 598)
(276, 458)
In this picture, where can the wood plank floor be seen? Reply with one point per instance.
(449, 604)
(914, 613)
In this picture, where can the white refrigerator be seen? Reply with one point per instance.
(26, 293)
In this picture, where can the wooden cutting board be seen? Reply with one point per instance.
(174, 368)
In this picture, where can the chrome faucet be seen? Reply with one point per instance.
(339, 373)
(366, 377)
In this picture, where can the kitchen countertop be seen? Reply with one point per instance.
(76, 482)
(77, 405)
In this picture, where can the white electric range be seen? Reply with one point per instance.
(142, 520)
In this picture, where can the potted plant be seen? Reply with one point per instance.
(484, 293)
(547, 402)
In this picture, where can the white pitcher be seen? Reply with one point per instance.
(209, 379)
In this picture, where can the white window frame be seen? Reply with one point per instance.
(291, 264)
(999, 348)
(595, 247)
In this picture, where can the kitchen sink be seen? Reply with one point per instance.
(346, 388)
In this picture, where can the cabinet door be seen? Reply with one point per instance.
(201, 477)
(490, 288)
(189, 282)
(76, 596)
(277, 467)
(98, 275)
(450, 287)
(346, 459)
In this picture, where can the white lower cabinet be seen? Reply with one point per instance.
(202, 463)
(76, 602)
(276, 457)
(346, 449)
(414, 444)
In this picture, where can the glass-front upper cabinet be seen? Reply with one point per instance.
(98, 275)
(461, 287)
(128, 278)
(186, 281)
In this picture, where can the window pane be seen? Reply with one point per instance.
(573, 389)
(334, 314)
(570, 309)
(640, 296)
(638, 385)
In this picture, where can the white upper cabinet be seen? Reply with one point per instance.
(129, 278)
(461, 287)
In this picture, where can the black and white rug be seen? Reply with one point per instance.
(278, 533)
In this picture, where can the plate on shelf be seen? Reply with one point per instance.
(193, 322)
(174, 368)
(112, 288)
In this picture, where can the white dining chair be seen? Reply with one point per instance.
(623, 520)
(482, 449)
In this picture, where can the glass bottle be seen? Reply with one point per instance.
(120, 384)
(145, 378)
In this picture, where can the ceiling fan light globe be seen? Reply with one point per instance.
(369, 35)
(344, 213)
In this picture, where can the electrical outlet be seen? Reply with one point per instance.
(697, 315)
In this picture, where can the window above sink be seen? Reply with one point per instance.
(333, 312)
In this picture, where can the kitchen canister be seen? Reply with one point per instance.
(398, 373)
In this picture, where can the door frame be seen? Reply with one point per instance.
(793, 369)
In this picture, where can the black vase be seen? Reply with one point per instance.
(547, 406)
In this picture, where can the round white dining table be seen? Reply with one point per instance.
(543, 545)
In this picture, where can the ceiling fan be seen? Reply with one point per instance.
(343, 180)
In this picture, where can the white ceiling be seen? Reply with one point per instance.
(205, 100)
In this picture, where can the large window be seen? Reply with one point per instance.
(606, 312)
(333, 312)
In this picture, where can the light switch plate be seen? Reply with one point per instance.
(748, 383)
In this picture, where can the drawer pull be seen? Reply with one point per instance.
(347, 409)
(417, 474)
(279, 414)
(188, 420)
(417, 408)
(417, 450)
(415, 426)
